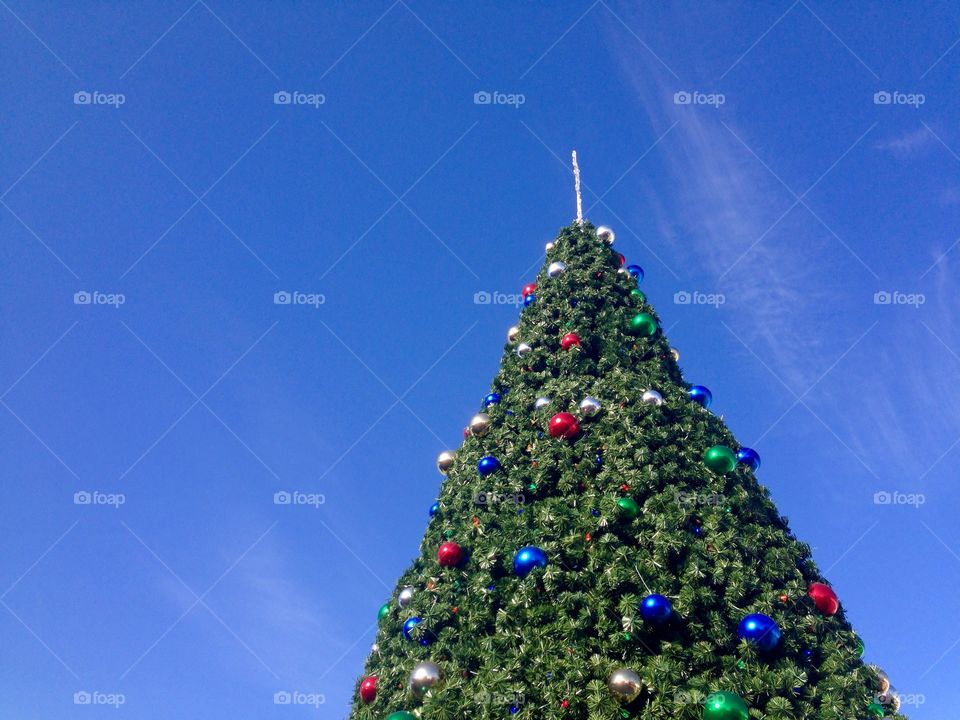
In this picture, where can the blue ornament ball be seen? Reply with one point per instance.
(701, 395)
(636, 271)
(760, 631)
(656, 609)
(529, 300)
(491, 399)
(487, 465)
(434, 508)
(409, 625)
(528, 558)
(749, 457)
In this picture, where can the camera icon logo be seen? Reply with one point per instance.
(682, 97)
(82, 97)
(82, 497)
(882, 97)
(282, 697)
(82, 698)
(282, 298)
(882, 297)
(481, 298)
(282, 97)
(282, 497)
(682, 297)
(82, 298)
(882, 497)
(482, 98)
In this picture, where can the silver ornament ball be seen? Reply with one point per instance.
(425, 675)
(556, 268)
(675, 354)
(479, 424)
(549, 246)
(882, 677)
(513, 334)
(445, 461)
(523, 349)
(540, 403)
(606, 234)
(625, 684)
(652, 397)
(589, 406)
(623, 271)
(405, 597)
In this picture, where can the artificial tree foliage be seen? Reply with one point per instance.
(543, 646)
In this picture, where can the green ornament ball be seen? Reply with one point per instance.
(401, 715)
(628, 508)
(860, 646)
(876, 710)
(720, 459)
(383, 611)
(637, 293)
(642, 324)
(725, 705)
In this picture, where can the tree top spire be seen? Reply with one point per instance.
(576, 185)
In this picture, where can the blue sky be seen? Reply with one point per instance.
(791, 169)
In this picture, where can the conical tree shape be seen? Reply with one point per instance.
(630, 506)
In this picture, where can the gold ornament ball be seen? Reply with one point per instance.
(675, 354)
(625, 684)
(479, 424)
(445, 461)
(606, 234)
(425, 675)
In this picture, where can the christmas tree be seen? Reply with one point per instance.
(601, 548)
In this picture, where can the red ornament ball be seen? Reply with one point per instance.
(528, 289)
(621, 259)
(824, 598)
(569, 340)
(368, 689)
(450, 554)
(564, 425)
